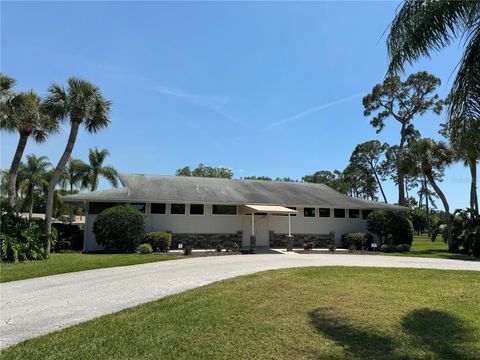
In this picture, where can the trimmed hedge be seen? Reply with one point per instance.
(119, 228)
(357, 241)
(145, 249)
(160, 241)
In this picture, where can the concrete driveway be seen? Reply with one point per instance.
(34, 307)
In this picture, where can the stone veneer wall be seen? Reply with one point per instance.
(320, 240)
(206, 241)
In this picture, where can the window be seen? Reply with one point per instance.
(309, 212)
(324, 212)
(354, 214)
(365, 214)
(292, 208)
(158, 208)
(177, 209)
(339, 213)
(98, 207)
(224, 209)
(196, 209)
(139, 206)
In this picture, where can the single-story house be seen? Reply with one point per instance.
(204, 211)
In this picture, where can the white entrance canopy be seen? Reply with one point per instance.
(270, 209)
(275, 209)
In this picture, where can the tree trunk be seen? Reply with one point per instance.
(30, 212)
(12, 177)
(473, 186)
(56, 176)
(71, 207)
(379, 183)
(442, 197)
(425, 188)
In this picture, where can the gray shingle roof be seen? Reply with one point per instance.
(155, 188)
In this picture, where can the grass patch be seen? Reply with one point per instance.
(310, 313)
(59, 263)
(422, 246)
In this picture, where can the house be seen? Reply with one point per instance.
(204, 211)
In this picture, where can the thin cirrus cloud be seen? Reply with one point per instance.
(215, 103)
(311, 110)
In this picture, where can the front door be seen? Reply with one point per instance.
(261, 230)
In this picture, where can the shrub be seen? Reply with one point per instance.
(308, 245)
(119, 228)
(400, 229)
(332, 247)
(219, 246)
(23, 240)
(466, 231)
(187, 250)
(357, 241)
(377, 224)
(145, 249)
(391, 227)
(160, 241)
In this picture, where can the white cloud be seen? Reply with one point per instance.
(311, 110)
(215, 103)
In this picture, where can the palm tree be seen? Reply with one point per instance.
(35, 172)
(432, 157)
(24, 114)
(81, 102)
(74, 173)
(466, 143)
(96, 169)
(6, 89)
(423, 27)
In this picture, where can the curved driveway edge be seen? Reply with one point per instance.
(34, 307)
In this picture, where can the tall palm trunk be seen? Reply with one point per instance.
(442, 197)
(71, 207)
(30, 211)
(472, 164)
(56, 177)
(400, 175)
(425, 187)
(12, 177)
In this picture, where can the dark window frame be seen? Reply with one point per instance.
(310, 214)
(323, 216)
(144, 211)
(357, 213)
(180, 205)
(197, 205)
(160, 205)
(110, 204)
(216, 207)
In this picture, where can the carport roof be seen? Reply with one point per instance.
(183, 189)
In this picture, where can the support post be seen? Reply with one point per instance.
(289, 236)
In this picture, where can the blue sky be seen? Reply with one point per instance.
(263, 88)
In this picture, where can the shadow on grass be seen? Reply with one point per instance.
(437, 334)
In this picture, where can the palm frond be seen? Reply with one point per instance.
(422, 26)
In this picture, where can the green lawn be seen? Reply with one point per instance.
(310, 313)
(68, 262)
(422, 246)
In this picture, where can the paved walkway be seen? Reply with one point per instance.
(34, 307)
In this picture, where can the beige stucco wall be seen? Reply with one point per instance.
(209, 223)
